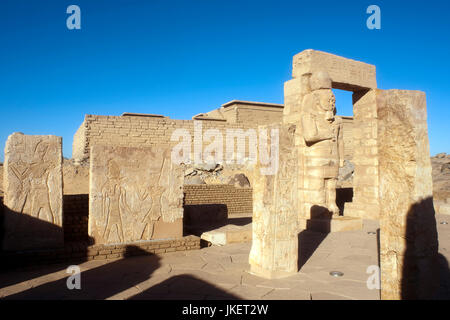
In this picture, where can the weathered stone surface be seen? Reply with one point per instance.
(408, 239)
(274, 250)
(320, 131)
(135, 194)
(33, 192)
(345, 176)
(365, 202)
(239, 180)
(346, 74)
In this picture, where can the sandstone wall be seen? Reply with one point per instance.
(33, 192)
(138, 131)
(365, 156)
(348, 137)
(134, 194)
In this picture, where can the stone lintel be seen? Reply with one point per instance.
(346, 74)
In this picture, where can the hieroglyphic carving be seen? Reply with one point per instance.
(33, 192)
(274, 250)
(323, 155)
(134, 191)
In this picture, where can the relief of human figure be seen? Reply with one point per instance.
(154, 214)
(322, 133)
(34, 194)
(113, 202)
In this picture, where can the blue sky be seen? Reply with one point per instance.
(180, 58)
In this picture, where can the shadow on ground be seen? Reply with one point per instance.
(113, 279)
(182, 287)
(98, 283)
(425, 273)
(308, 240)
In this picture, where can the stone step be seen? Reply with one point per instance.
(335, 224)
(228, 234)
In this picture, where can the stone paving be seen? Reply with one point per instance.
(221, 273)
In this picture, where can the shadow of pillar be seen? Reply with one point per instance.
(421, 272)
(308, 240)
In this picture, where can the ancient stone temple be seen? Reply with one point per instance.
(33, 192)
(278, 175)
(135, 194)
(274, 251)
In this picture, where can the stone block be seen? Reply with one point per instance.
(33, 192)
(408, 237)
(346, 74)
(228, 234)
(274, 251)
(135, 194)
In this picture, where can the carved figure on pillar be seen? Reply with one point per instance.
(321, 131)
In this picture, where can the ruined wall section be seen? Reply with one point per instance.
(79, 146)
(138, 131)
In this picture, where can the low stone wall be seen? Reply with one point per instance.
(238, 201)
(78, 252)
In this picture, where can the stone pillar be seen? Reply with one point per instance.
(408, 237)
(365, 202)
(32, 176)
(134, 194)
(274, 251)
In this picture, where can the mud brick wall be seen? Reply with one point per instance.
(139, 131)
(75, 217)
(80, 252)
(238, 201)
